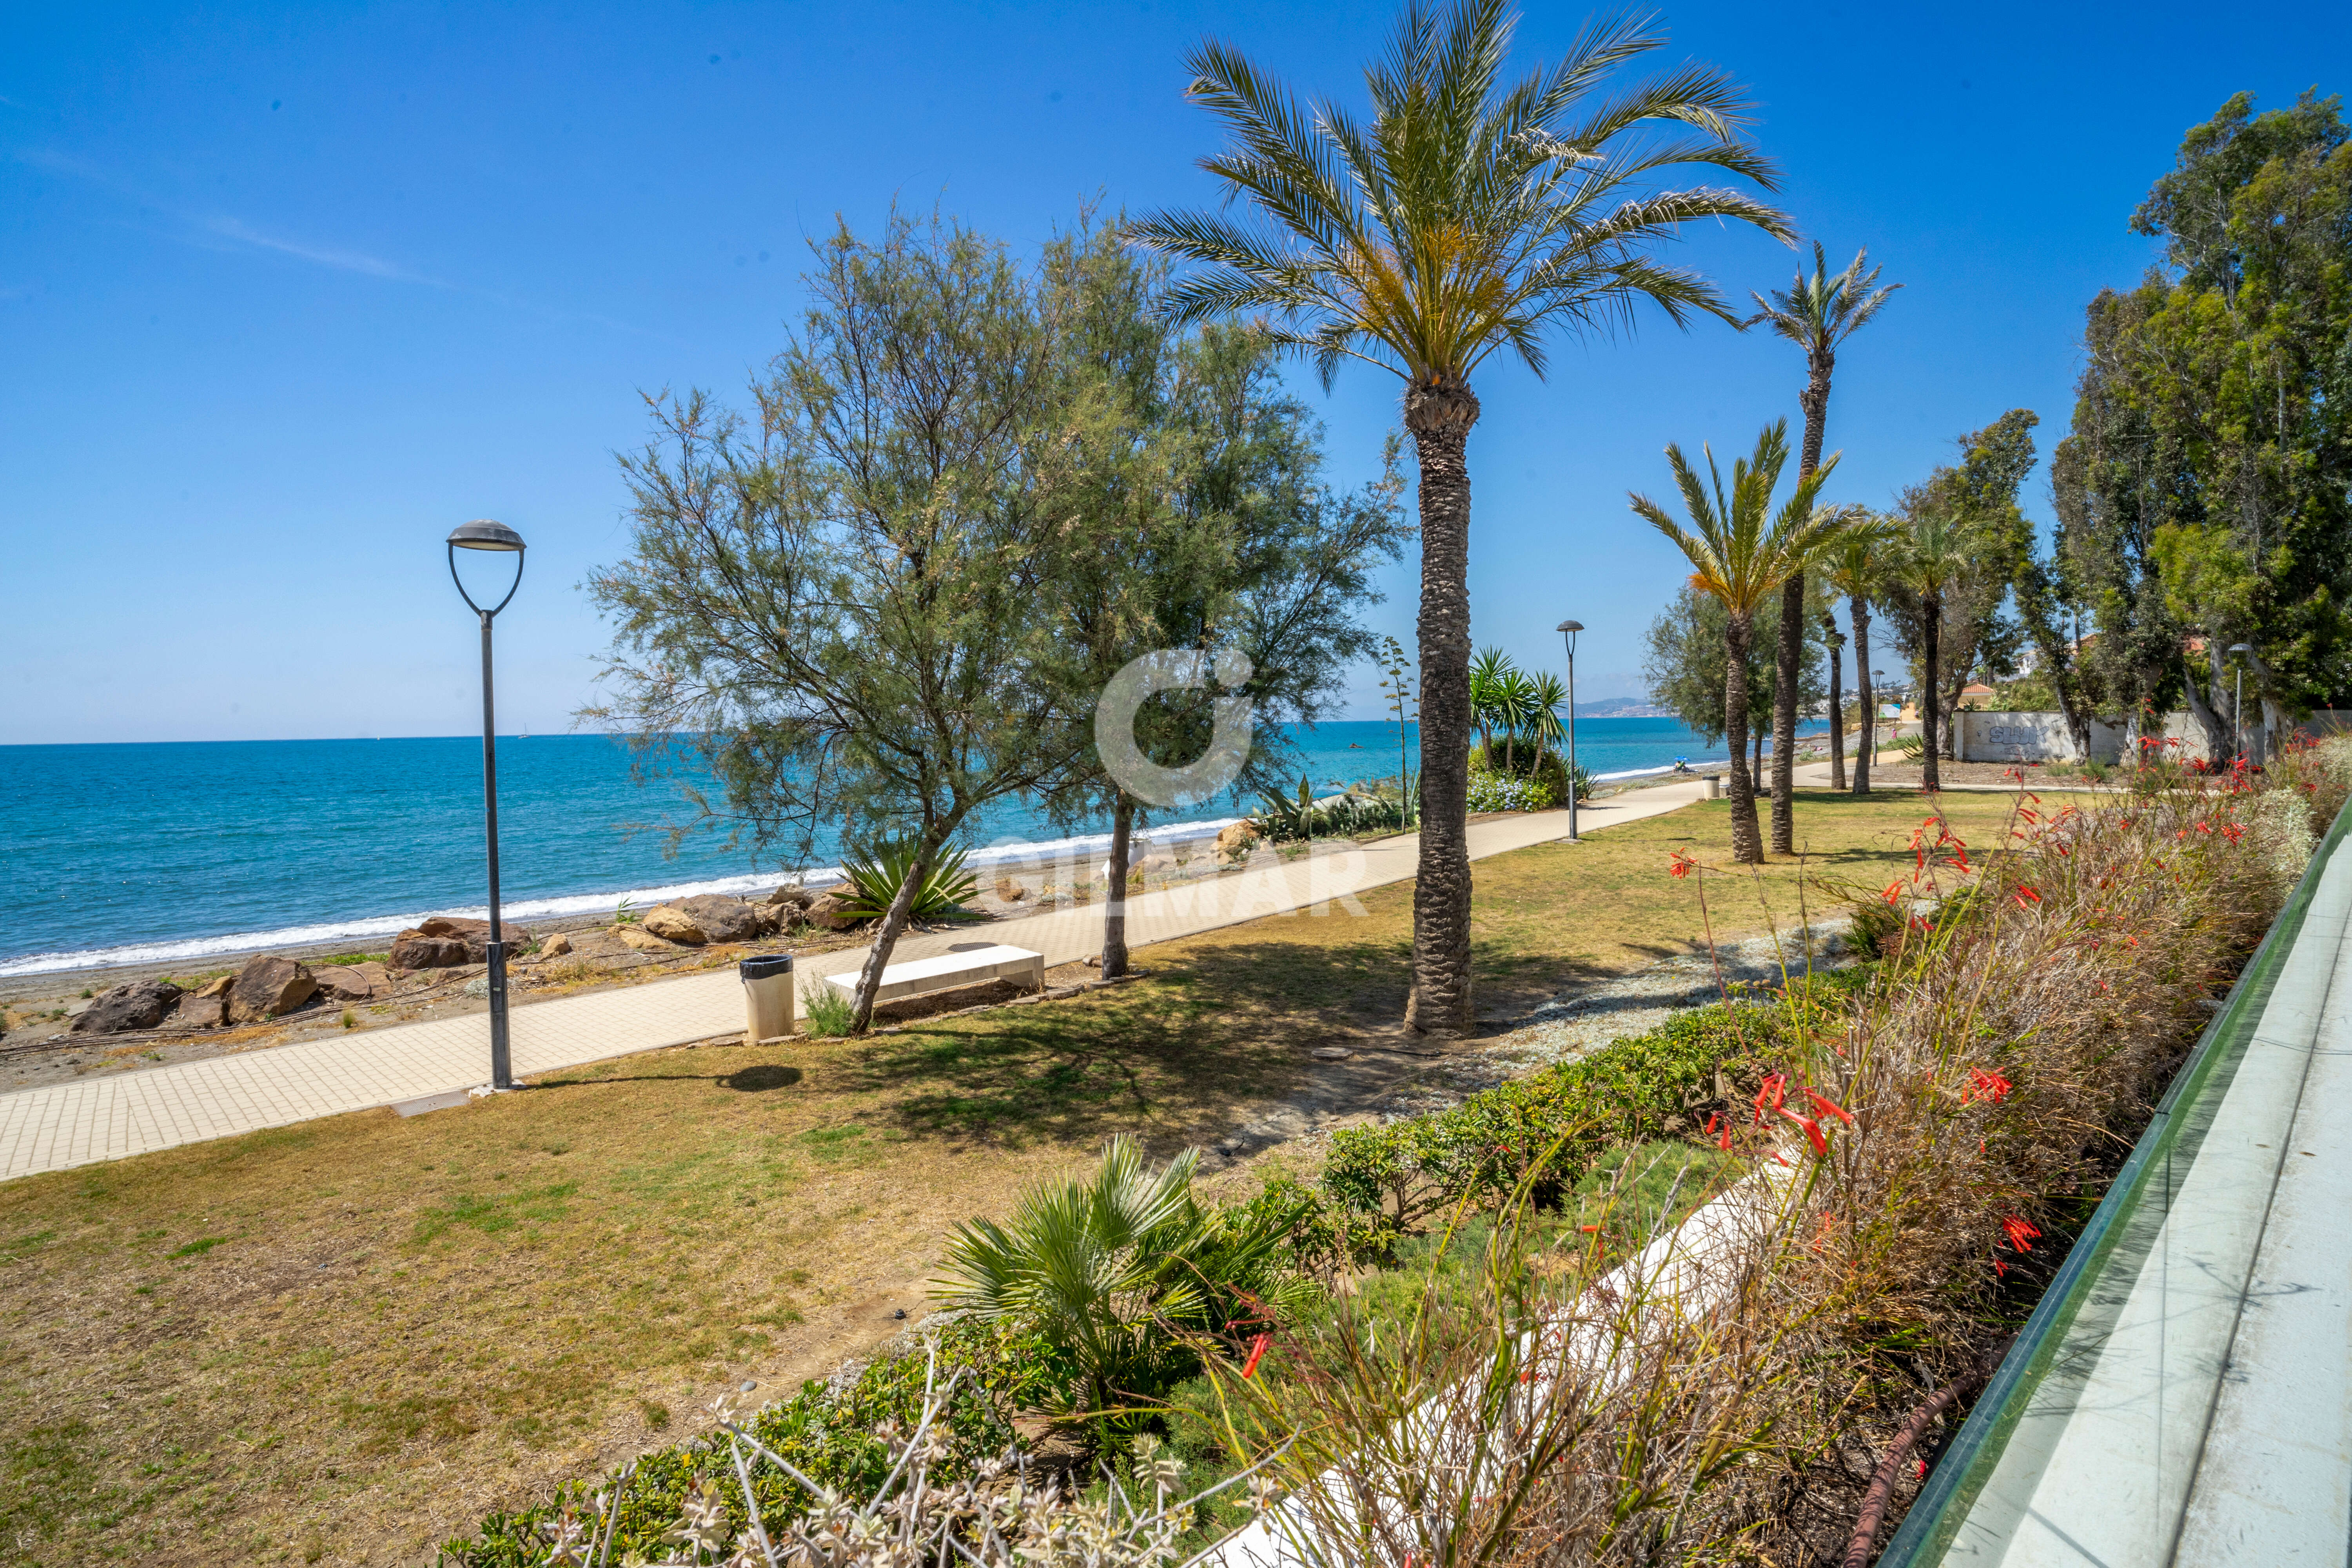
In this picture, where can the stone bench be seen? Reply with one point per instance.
(969, 967)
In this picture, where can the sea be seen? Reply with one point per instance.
(181, 852)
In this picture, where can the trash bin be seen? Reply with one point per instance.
(1715, 786)
(767, 997)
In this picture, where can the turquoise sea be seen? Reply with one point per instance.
(175, 852)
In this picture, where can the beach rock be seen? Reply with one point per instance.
(414, 949)
(1235, 840)
(674, 924)
(556, 946)
(795, 897)
(830, 912)
(344, 982)
(140, 1004)
(644, 940)
(721, 919)
(217, 986)
(448, 940)
(197, 1011)
(267, 986)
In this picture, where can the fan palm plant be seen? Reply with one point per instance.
(1933, 553)
(1546, 695)
(1738, 557)
(1490, 677)
(1855, 566)
(1466, 217)
(1116, 1271)
(1817, 314)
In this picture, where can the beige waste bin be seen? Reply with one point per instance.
(1715, 786)
(767, 997)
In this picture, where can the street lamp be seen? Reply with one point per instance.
(2238, 706)
(1568, 631)
(493, 536)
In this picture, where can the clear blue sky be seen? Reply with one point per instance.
(287, 293)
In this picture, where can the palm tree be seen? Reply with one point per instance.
(1855, 566)
(1546, 694)
(1817, 314)
(1490, 675)
(1466, 217)
(1933, 553)
(1738, 559)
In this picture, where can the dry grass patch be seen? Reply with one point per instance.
(208, 1353)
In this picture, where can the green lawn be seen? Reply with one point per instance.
(341, 1341)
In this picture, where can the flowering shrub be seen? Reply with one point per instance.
(1510, 792)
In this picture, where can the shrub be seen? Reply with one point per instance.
(829, 1012)
(874, 877)
(829, 1436)
(1510, 792)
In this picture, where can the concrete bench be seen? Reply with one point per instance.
(949, 970)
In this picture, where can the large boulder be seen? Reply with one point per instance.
(830, 912)
(350, 982)
(642, 940)
(198, 1012)
(446, 941)
(267, 986)
(671, 923)
(722, 918)
(1233, 843)
(140, 1004)
(791, 894)
(556, 946)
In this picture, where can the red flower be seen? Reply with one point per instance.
(2025, 896)
(1679, 866)
(1983, 1085)
(1769, 1092)
(1257, 1349)
(1893, 894)
(1828, 1107)
(1813, 1131)
(2021, 1233)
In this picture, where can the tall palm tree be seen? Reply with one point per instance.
(1933, 555)
(1855, 566)
(1738, 558)
(1463, 220)
(1817, 314)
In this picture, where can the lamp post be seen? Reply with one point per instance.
(1568, 631)
(492, 536)
(2238, 704)
(1877, 694)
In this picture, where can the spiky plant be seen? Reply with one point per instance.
(1817, 314)
(1468, 218)
(1739, 551)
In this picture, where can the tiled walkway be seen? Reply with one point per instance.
(63, 1125)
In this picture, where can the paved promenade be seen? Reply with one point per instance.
(59, 1126)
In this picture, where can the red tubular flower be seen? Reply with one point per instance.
(2024, 895)
(1813, 1131)
(1768, 1097)
(1983, 1085)
(1724, 1142)
(1257, 1349)
(1679, 865)
(1828, 1107)
(2020, 1232)
(1893, 894)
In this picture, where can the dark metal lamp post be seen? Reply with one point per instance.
(2238, 705)
(1568, 629)
(494, 536)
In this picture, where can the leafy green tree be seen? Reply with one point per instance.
(2213, 420)
(1737, 556)
(1817, 314)
(1857, 566)
(1194, 517)
(1935, 559)
(849, 616)
(1468, 218)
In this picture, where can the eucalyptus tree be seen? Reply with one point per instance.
(1740, 550)
(1855, 566)
(1933, 555)
(1817, 314)
(1466, 218)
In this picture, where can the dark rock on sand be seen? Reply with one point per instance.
(722, 918)
(446, 941)
(141, 1004)
(195, 1012)
(267, 986)
(351, 982)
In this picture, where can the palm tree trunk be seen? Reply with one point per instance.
(1837, 719)
(1866, 739)
(1931, 622)
(1747, 842)
(1440, 418)
(1113, 947)
(1785, 671)
(1815, 401)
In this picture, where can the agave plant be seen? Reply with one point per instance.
(876, 875)
(1124, 1272)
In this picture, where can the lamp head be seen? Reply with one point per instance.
(1569, 626)
(2241, 648)
(484, 534)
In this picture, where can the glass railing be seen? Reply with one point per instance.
(2129, 1423)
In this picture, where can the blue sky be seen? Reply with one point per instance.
(286, 294)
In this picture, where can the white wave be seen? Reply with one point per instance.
(192, 949)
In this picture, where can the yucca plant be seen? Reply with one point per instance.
(874, 875)
(1125, 1272)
